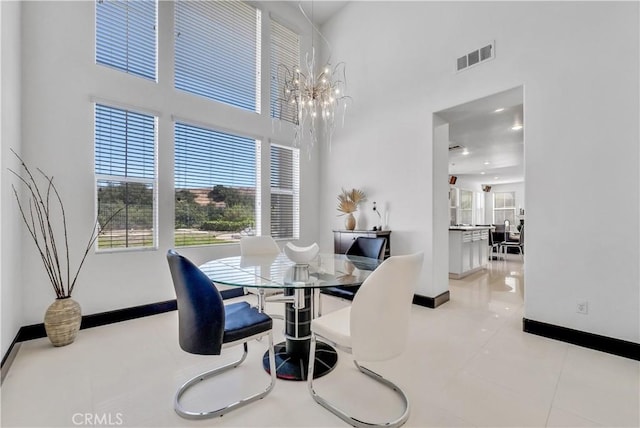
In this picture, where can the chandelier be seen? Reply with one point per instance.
(317, 94)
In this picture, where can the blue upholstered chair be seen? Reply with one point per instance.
(206, 326)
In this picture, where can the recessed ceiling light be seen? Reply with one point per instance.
(495, 178)
(498, 110)
(482, 173)
(487, 162)
(466, 152)
(516, 127)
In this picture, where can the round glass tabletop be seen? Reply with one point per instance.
(326, 270)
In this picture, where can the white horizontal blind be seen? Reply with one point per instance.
(217, 51)
(504, 207)
(478, 208)
(125, 168)
(285, 54)
(126, 35)
(285, 192)
(465, 213)
(215, 186)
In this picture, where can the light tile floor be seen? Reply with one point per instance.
(468, 363)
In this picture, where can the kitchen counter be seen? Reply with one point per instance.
(471, 227)
(468, 250)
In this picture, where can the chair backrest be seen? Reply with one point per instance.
(381, 308)
(200, 307)
(507, 229)
(368, 247)
(258, 245)
(522, 234)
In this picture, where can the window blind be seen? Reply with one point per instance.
(285, 52)
(465, 214)
(215, 186)
(217, 51)
(504, 207)
(126, 35)
(125, 168)
(285, 192)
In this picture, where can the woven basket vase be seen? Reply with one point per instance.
(62, 321)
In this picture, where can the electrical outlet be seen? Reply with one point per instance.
(582, 308)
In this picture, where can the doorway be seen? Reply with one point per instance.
(482, 144)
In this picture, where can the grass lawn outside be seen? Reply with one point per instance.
(182, 238)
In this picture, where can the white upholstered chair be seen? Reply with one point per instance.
(260, 246)
(374, 328)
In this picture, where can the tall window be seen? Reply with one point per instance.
(125, 168)
(453, 206)
(478, 208)
(285, 192)
(465, 213)
(126, 35)
(504, 207)
(215, 186)
(285, 54)
(217, 51)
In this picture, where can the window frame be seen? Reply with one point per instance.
(294, 192)
(114, 66)
(276, 74)
(263, 44)
(124, 179)
(211, 92)
(505, 208)
(462, 211)
(257, 172)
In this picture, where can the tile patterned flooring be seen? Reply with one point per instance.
(468, 363)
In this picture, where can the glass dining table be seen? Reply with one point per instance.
(300, 284)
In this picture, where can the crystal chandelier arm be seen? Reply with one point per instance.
(317, 95)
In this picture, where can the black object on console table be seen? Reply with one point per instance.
(342, 239)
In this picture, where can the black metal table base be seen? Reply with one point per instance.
(295, 366)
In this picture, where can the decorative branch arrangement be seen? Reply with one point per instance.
(38, 215)
(348, 200)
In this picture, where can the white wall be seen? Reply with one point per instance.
(59, 79)
(581, 130)
(397, 77)
(10, 223)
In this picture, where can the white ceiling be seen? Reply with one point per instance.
(494, 148)
(321, 11)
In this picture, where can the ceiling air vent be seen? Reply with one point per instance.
(476, 57)
(455, 147)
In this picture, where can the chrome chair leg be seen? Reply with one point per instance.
(208, 374)
(341, 413)
(318, 312)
